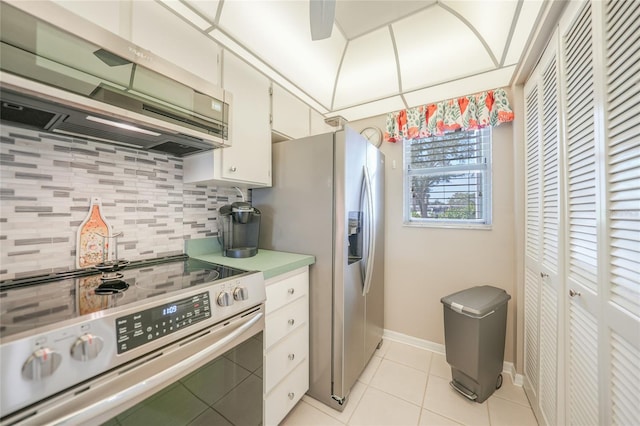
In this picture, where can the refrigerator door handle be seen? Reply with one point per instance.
(371, 237)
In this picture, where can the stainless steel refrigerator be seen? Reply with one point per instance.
(327, 200)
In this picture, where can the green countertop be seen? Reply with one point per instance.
(271, 263)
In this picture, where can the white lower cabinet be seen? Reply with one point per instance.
(284, 321)
(286, 395)
(286, 343)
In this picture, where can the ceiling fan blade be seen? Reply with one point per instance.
(321, 16)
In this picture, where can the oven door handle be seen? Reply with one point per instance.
(107, 404)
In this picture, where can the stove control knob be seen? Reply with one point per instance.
(86, 347)
(225, 299)
(240, 293)
(42, 363)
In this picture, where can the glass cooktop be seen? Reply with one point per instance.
(32, 302)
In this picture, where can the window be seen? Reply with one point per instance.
(447, 179)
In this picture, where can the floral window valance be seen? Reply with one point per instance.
(489, 108)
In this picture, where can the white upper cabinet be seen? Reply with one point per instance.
(290, 114)
(152, 26)
(103, 13)
(247, 162)
(159, 30)
(249, 158)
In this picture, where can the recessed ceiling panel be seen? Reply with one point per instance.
(370, 109)
(492, 20)
(440, 48)
(368, 70)
(526, 20)
(358, 17)
(434, 47)
(278, 33)
(464, 86)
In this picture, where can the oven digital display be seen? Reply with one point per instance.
(142, 327)
(170, 310)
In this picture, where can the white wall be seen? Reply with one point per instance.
(424, 264)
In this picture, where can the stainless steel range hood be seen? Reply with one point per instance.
(97, 85)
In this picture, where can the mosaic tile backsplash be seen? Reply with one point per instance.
(46, 185)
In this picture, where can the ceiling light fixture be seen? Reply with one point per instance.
(122, 125)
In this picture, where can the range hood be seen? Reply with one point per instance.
(94, 84)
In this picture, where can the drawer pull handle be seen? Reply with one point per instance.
(292, 357)
(291, 395)
(291, 291)
(291, 321)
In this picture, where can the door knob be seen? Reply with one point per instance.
(574, 293)
(544, 275)
(233, 168)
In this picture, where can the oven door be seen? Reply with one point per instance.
(211, 377)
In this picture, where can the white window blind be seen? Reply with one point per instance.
(448, 178)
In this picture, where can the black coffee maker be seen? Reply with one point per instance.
(239, 229)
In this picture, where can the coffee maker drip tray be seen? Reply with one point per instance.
(240, 252)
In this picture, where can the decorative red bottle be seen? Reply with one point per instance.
(92, 246)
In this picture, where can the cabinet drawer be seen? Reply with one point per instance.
(285, 356)
(284, 397)
(287, 290)
(284, 321)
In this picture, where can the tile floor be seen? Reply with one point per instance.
(406, 385)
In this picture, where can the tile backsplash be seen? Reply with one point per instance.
(46, 185)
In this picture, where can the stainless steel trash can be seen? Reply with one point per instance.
(475, 322)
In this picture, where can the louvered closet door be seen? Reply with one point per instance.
(589, 231)
(621, 298)
(582, 385)
(542, 247)
(550, 241)
(532, 240)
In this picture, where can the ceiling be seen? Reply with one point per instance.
(382, 56)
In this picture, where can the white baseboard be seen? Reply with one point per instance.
(507, 367)
(413, 341)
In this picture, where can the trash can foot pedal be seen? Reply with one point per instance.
(464, 391)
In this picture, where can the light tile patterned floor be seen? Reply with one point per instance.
(404, 385)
